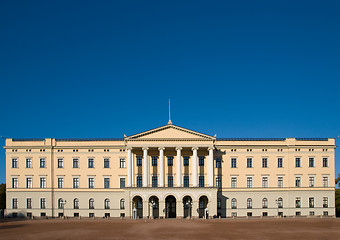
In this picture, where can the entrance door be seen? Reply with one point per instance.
(170, 203)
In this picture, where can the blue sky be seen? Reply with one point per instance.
(107, 68)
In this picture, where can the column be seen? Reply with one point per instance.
(210, 167)
(132, 170)
(195, 208)
(179, 209)
(161, 209)
(161, 166)
(194, 167)
(146, 167)
(178, 167)
(128, 165)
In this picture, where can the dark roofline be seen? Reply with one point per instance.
(67, 139)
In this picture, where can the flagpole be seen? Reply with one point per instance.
(169, 114)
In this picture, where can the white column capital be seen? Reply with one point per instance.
(145, 148)
(194, 148)
(178, 148)
(210, 148)
(161, 148)
(128, 148)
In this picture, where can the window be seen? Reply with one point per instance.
(154, 161)
(297, 181)
(154, 181)
(170, 161)
(42, 162)
(218, 163)
(311, 162)
(29, 182)
(264, 214)
(234, 163)
(201, 161)
(106, 162)
(201, 181)
(60, 162)
(280, 202)
(249, 203)
(311, 181)
(264, 182)
(76, 203)
(14, 203)
(297, 162)
(42, 203)
(325, 213)
(325, 202)
(14, 163)
(106, 182)
(233, 203)
(139, 181)
(60, 203)
(107, 203)
(219, 182)
(311, 213)
(297, 213)
(264, 203)
(91, 203)
(75, 163)
(60, 182)
(324, 162)
(15, 182)
(218, 203)
(311, 202)
(122, 204)
(280, 182)
(122, 182)
(91, 182)
(249, 162)
(75, 182)
(298, 202)
(249, 182)
(43, 182)
(264, 162)
(185, 161)
(280, 162)
(29, 203)
(170, 181)
(325, 181)
(28, 162)
(122, 163)
(91, 163)
(186, 181)
(234, 182)
(139, 161)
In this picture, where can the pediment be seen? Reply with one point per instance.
(170, 132)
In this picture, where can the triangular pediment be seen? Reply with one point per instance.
(169, 132)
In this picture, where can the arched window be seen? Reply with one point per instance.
(107, 203)
(233, 203)
(60, 203)
(76, 203)
(91, 203)
(218, 203)
(122, 204)
(249, 203)
(264, 203)
(280, 202)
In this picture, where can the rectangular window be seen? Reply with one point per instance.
(139, 161)
(106, 162)
(91, 162)
(154, 181)
(325, 202)
(298, 202)
(297, 181)
(29, 203)
(15, 182)
(14, 203)
(249, 182)
(75, 182)
(42, 162)
(185, 181)
(219, 182)
(122, 163)
(60, 182)
(139, 181)
(42, 203)
(170, 161)
(43, 182)
(218, 163)
(234, 182)
(91, 182)
(154, 161)
(264, 162)
(29, 182)
(60, 162)
(280, 162)
(28, 162)
(106, 182)
(75, 163)
(186, 161)
(297, 162)
(201, 161)
(122, 182)
(325, 213)
(311, 202)
(264, 182)
(325, 181)
(170, 181)
(249, 162)
(325, 162)
(201, 181)
(311, 162)
(311, 181)
(234, 163)
(280, 182)
(14, 163)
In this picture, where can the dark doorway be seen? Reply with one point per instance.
(154, 207)
(203, 204)
(170, 203)
(187, 207)
(137, 203)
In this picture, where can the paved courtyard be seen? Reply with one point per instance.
(172, 229)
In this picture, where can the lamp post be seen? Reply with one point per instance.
(63, 203)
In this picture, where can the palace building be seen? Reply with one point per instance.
(170, 172)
